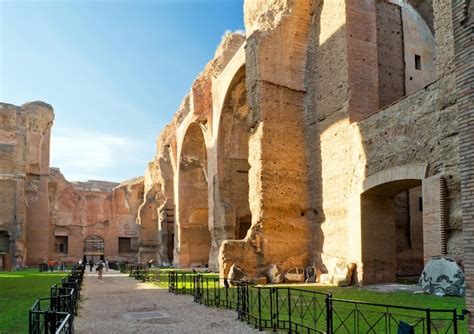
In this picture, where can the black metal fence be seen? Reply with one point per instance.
(55, 314)
(297, 310)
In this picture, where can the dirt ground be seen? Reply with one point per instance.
(120, 304)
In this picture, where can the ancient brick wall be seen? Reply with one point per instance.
(463, 23)
(95, 208)
(390, 53)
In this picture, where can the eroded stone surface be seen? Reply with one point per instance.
(237, 275)
(274, 274)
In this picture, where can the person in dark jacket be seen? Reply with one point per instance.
(91, 264)
(100, 269)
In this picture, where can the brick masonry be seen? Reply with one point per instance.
(463, 25)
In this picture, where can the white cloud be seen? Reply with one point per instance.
(85, 154)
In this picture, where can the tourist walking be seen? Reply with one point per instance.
(106, 265)
(100, 269)
(91, 264)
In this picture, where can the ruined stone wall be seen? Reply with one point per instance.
(277, 34)
(419, 128)
(197, 125)
(463, 24)
(24, 170)
(94, 208)
(303, 105)
(37, 204)
(156, 213)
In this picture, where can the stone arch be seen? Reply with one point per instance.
(94, 246)
(194, 237)
(392, 224)
(232, 217)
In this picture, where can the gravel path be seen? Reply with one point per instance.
(106, 306)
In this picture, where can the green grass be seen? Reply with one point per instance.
(393, 298)
(18, 292)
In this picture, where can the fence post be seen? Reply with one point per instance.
(217, 291)
(428, 321)
(329, 313)
(289, 310)
(238, 302)
(272, 311)
(259, 309)
(247, 301)
(455, 321)
(207, 291)
(226, 287)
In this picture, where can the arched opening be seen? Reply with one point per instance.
(94, 247)
(195, 238)
(233, 215)
(392, 231)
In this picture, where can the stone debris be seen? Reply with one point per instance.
(341, 275)
(294, 275)
(258, 281)
(274, 274)
(443, 276)
(237, 275)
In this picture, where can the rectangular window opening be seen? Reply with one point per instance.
(125, 245)
(418, 62)
(61, 245)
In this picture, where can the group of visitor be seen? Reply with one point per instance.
(101, 265)
(51, 265)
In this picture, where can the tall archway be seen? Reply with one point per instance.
(195, 238)
(232, 214)
(94, 246)
(392, 231)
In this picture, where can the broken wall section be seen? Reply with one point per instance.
(156, 214)
(24, 169)
(278, 194)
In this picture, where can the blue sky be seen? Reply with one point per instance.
(114, 72)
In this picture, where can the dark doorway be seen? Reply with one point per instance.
(94, 246)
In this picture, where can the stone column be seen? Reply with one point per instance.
(278, 192)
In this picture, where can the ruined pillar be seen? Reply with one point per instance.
(278, 194)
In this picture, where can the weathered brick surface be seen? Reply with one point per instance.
(463, 24)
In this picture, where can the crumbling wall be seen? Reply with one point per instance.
(156, 213)
(24, 169)
(278, 196)
(198, 111)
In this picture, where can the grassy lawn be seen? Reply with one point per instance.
(393, 298)
(18, 292)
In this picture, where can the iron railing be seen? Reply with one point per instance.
(55, 314)
(298, 310)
